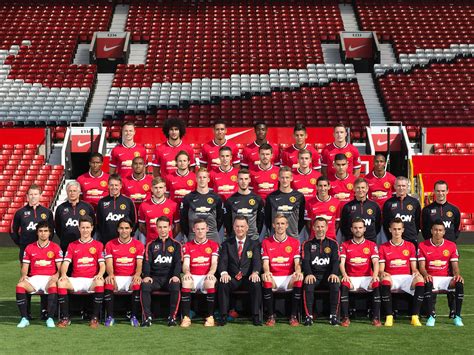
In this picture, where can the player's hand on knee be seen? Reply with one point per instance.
(187, 277)
(98, 278)
(137, 280)
(458, 278)
(23, 278)
(210, 277)
(346, 278)
(63, 278)
(267, 277)
(225, 278)
(333, 278)
(297, 276)
(174, 279)
(254, 277)
(310, 279)
(110, 280)
(375, 278)
(428, 278)
(148, 280)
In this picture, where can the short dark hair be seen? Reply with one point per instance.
(320, 219)
(438, 222)
(174, 122)
(240, 217)
(216, 122)
(357, 220)
(284, 169)
(340, 124)
(225, 149)
(259, 123)
(96, 155)
(35, 187)
(116, 177)
(441, 182)
(182, 152)
(396, 220)
(380, 155)
(86, 219)
(138, 158)
(244, 171)
(44, 224)
(360, 180)
(265, 146)
(340, 156)
(322, 178)
(305, 151)
(199, 220)
(163, 219)
(125, 220)
(299, 127)
(128, 123)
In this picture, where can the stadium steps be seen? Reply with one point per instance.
(331, 53)
(348, 17)
(119, 19)
(99, 98)
(62, 195)
(82, 54)
(55, 156)
(387, 55)
(138, 53)
(371, 100)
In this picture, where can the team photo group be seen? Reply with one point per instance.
(267, 219)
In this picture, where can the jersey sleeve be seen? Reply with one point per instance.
(374, 251)
(342, 250)
(297, 247)
(421, 253)
(382, 254)
(108, 250)
(26, 258)
(264, 251)
(156, 157)
(324, 157)
(316, 159)
(203, 155)
(235, 155)
(59, 253)
(356, 157)
(140, 250)
(141, 214)
(215, 249)
(412, 250)
(176, 214)
(114, 158)
(186, 251)
(69, 253)
(454, 254)
(192, 158)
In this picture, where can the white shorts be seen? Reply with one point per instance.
(282, 283)
(123, 283)
(403, 283)
(441, 283)
(198, 282)
(39, 282)
(360, 283)
(81, 284)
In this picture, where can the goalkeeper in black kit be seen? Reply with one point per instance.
(320, 267)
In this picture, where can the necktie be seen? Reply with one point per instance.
(239, 250)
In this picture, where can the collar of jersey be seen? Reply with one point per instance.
(335, 146)
(375, 176)
(39, 246)
(284, 240)
(132, 146)
(143, 178)
(337, 177)
(317, 197)
(177, 173)
(228, 171)
(219, 145)
(295, 148)
(174, 146)
(399, 245)
(157, 203)
(271, 166)
(353, 242)
(436, 246)
(90, 241)
(120, 242)
(204, 242)
(301, 173)
(96, 177)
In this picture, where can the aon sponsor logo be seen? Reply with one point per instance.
(320, 261)
(160, 259)
(367, 221)
(114, 217)
(447, 224)
(404, 217)
(31, 226)
(72, 222)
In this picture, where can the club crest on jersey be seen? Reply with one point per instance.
(43, 216)
(370, 212)
(50, 254)
(132, 250)
(210, 200)
(406, 252)
(170, 249)
(208, 250)
(288, 249)
(312, 181)
(348, 155)
(409, 207)
(449, 214)
(251, 202)
(249, 254)
(233, 178)
(146, 187)
(327, 250)
(332, 208)
(366, 251)
(350, 186)
(123, 206)
(292, 199)
(166, 210)
(387, 185)
(92, 250)
(136, 154)
(82, 212)
(273, 176)
(190, 182)
(103, 183)
(446, 252)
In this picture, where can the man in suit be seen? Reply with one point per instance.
(239, 269)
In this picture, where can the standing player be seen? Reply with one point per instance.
(87, 258)
(381, 182)
(398, 272)
(405, 207)
(223, 179)
(164, 162)
(39, 272)
(161, 271)
(340, 146)
(304, 178)
(439, 265)
(244, 203)
(281, 269)
(112, 209)
(182, 181)
(265, 174)
(289, 156)
(123, 263)
(360, 271)
(137, 186)
(363, 208)
(342, 182)
(325, 206)
(287, 202)
(239, 268)
(320, 267)
(122, 155)
(156, 207)
(251, 152)
(66, 217)
(202, 204)
(199, 268)
(94, 182)
(210, 151)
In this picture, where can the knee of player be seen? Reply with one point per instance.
(418, 279)
(22, 284)
(209, 284)
(63, 283)
(99, 283)
(174, 286)
(146, 286)
(188, 284)
(386, 281)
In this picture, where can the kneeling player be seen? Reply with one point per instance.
(320, 267)
(439, 265)
(360, 269)
(123, 262)
(88, 267)
(199, 268)
(398, 272)
(39, 272)
(281, 269)
(161, 271)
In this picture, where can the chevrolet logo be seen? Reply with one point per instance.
(127, 163)
(201, 260)
(171, 163)
(326, 217)
(358, 260)
(306, 191)
(124, 260)
(438, 263)
(95, 192)
(280, 260)
(85, 260)
(285, 208)
(203, 209)
(342, 195)
(137, 196)
(43, 262)
(398, 262)
(244, 211)
(379, 194)
(182, 192)
(266, 185)
(225, 188)
(216, 161)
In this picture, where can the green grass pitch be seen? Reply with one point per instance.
(237, 338)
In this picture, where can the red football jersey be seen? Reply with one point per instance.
(438, 258)
(281, 255)
(397, 258)
(42, 260)
(224, 183)
(179, 186)
(165, 157)
(149, 211)
(137, 190)
(380, 189)
(121, 158)
(94, 188)
(124, 255)
(85, 257)
(305, 183)
(264, 182)
(200, 255)
(342, 189)
(289, 157)
(329, 210)
(330, 151)
(359, 257)
(210, 153)
(251, 157)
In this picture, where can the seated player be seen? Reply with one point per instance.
(88, 267)
(360, 269)
(39, 272)
(439, 265)
(398, 271)
(161, 271)
(123, 262)
(320, 267)
(199, 268)
(281, 269)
